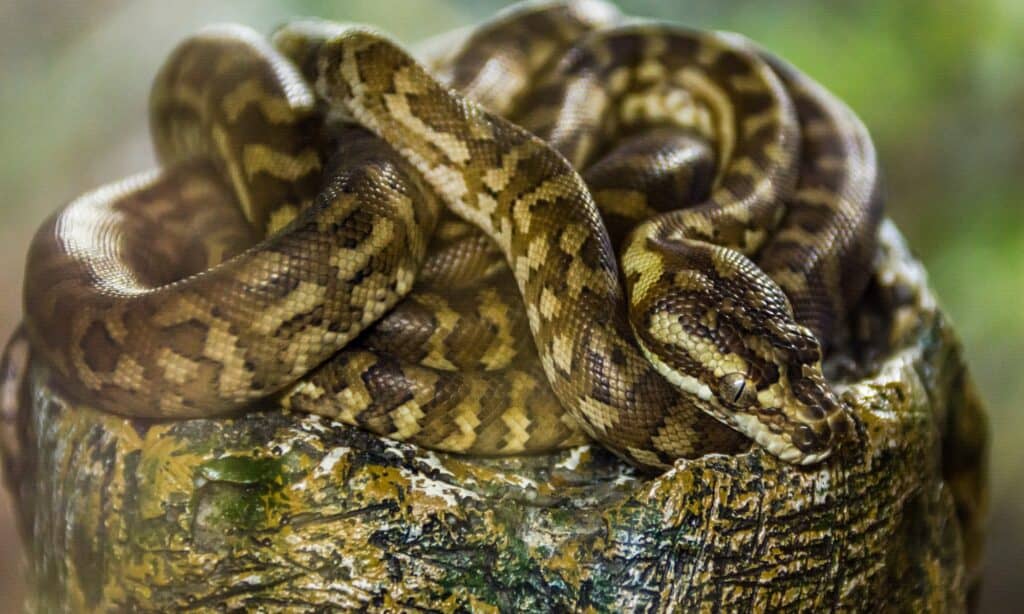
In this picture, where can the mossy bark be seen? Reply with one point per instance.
(286, 511)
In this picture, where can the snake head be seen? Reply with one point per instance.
(783, 400)
(724, 334)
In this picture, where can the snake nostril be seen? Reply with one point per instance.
(840, 424)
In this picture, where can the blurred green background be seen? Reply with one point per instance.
(940, 84)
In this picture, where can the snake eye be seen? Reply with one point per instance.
(736, 389)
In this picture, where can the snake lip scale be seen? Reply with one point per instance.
(678, 220)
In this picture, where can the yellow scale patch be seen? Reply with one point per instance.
(452, 185)
(666, 329)
(171, 403)
(550, 306)
(699, 225)
(251, 92)
(746, 167)
(752, 124)
(647, 266)
(466, 418)
(398, 105)
(816, 196)
(177, 368)
(303, 388)
(690, 279)
(374, 297)
(516, 418)
(355, 398)
(308, 347)
(496, 179)
(234, 380)
(776, 395)
(709, 49)
(533, 316)
(306, 296)
(447, 319)
(86, 375)
(561, 351)
(683, 381)
(644, 456)
(625, 203)
(220, 345)
(556, 187)
(521, 214)
(349, 261)
(651, 71)
(796, 234)
(486, 204)
(340, 209)
(406, 418)
(518, 424)
(571, 238)
(674, 106)
(698, 83)
(828, 162)
(237, 174)
(274, 108)
(673, 435)
(818, 129)
(494, 310)
(747, 84)
(128, 373)
(537, 252)
(775, 152)
(281, 217)
(581, 276)
(113, 321)
(618, 80)
(600, 416)
(258, 158)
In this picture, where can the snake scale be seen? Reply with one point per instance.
(679, 222)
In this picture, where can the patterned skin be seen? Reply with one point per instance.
(288, 219)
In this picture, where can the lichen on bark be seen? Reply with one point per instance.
(286, 511)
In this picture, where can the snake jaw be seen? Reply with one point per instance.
(777, 444)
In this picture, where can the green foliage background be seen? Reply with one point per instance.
(940, 84)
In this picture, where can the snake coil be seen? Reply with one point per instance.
(362, 236)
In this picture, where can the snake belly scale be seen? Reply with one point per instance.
(338, 226)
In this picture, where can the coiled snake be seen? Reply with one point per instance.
(307, 188)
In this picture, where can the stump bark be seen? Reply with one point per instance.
(272, 510)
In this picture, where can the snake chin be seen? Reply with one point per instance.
(778, 444)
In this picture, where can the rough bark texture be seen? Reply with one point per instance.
(274, 510)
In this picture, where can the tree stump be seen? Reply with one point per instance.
(274, 510)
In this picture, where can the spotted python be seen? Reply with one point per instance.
(354, 233)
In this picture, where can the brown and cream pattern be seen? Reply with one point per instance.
(571, 225)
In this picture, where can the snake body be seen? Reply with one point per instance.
(296, 206)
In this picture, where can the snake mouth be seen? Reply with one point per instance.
(782, 447)
(799, 445)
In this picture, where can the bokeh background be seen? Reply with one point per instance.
(940, 84)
